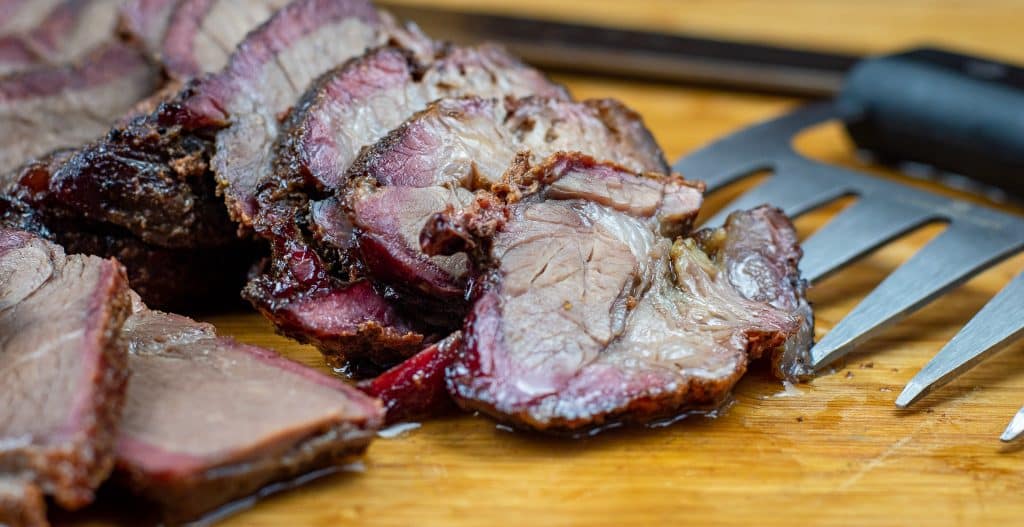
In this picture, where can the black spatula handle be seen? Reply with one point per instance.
(954, 112)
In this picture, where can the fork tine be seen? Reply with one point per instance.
(1015, 429)
(957, 254)
(866, 225)
(998, 324)
(795, 195)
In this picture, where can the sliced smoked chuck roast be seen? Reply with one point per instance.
(586, 315)
(442, 155)
(208, 420)
(62, 366)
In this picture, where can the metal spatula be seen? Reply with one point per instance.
(957, 113)
(908, 106)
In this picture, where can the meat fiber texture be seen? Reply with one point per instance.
(208, 420)
(62, 366)
(312, 270)
(42, 33)
(586, 316)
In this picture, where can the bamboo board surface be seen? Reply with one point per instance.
(832, 452)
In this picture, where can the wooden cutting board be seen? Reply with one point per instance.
(832, 452)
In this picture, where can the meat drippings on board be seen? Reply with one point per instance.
(586, 315)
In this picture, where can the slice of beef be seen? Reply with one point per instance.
(209, 420)
(587, 316)
(456, 146)
(415, 389)
(63, 106)
(202, 34)
(62, 366)
(21, 503)
(346, 109)
(69, 30)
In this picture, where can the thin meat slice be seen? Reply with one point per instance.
(586, 316)
(208, 420)
(69, 30)
(62, 106)
(21, 503)
(440, 156)
(62, 366)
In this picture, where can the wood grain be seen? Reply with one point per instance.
(832, 452)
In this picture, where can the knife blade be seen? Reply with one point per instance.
(641, 54)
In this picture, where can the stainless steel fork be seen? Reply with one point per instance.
(976, 238)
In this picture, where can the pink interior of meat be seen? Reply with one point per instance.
(198, 400)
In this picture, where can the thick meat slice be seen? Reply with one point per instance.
(21, 503)
(62, 366)
(64, 106)
(69, 30)
(209, 420)
(202, 34)
(344, 110)
(441, 155)
(587, 316)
